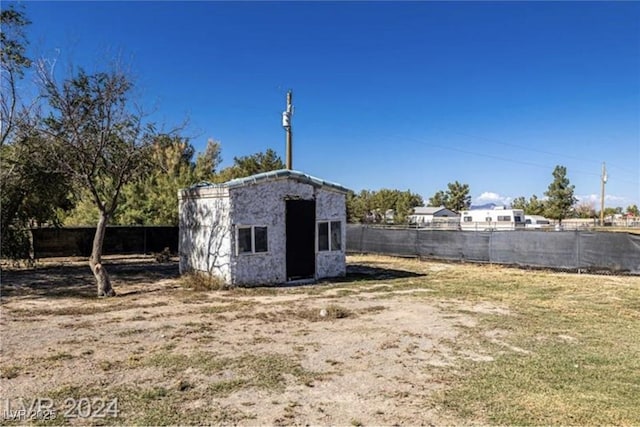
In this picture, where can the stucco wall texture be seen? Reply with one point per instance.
(209, 219)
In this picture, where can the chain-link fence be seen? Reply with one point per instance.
(575, 250)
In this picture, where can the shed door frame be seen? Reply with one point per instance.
(300, 239)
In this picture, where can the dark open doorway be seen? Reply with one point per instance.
(301, 254)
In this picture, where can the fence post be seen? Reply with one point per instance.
(490, 247)
(579, 250)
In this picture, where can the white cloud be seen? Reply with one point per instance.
(491, 197)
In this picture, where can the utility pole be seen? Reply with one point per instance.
(286, 124)
(603, 181)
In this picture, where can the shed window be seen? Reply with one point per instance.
(336, 236)
(252, 239)
(323, 236)
(330, 236)
(504, 218)
(260, 239)
(468, 219)
(244, 240)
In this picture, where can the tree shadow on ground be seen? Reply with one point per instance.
(77, 281)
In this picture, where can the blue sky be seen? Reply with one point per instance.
(406, 95)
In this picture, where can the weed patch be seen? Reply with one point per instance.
(315, 314)
(9, 372)
(60, 356)
(129, 332)
(268, 371)
(226, 308)
(202, 282)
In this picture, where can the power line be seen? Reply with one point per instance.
(536, 150)
(491, 156)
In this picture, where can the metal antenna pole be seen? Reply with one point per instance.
(602, 183)
(286, 123)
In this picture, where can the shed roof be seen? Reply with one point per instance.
(426, 210)
(270, 176)
(430, 210)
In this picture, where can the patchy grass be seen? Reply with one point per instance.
(517, 348)
(224, 388)
(579, 337)
(104, 306)
(267, 371)
(151, 405)
(330, 312)
(129, 332)
(226, 307)
(110, 365)
(310, 314)
(60, 356)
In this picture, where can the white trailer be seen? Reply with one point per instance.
(536, 222)
(492, 219)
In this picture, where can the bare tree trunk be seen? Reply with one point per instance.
(95, 262)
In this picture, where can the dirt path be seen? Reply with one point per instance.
(321, 354)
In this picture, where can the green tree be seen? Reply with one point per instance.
(30, 192)
(438, 199)
(84, 211)
(519, 203)
(207, 163)
(13, 63)
(533, 206)
(456, 198)
(98, 141)
(154, 199)
(371, 206)
(560, 198)
(633, 210)
(356, 208)
(404, 204)
(250, 165)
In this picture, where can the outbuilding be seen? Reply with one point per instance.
(273, 227)
(430, 216)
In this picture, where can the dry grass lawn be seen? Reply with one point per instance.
(396, 342)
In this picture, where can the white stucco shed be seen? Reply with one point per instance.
(268, 228)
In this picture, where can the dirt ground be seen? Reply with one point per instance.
(358, 351)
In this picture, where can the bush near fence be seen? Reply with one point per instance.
(568, 250)
(77, 241)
